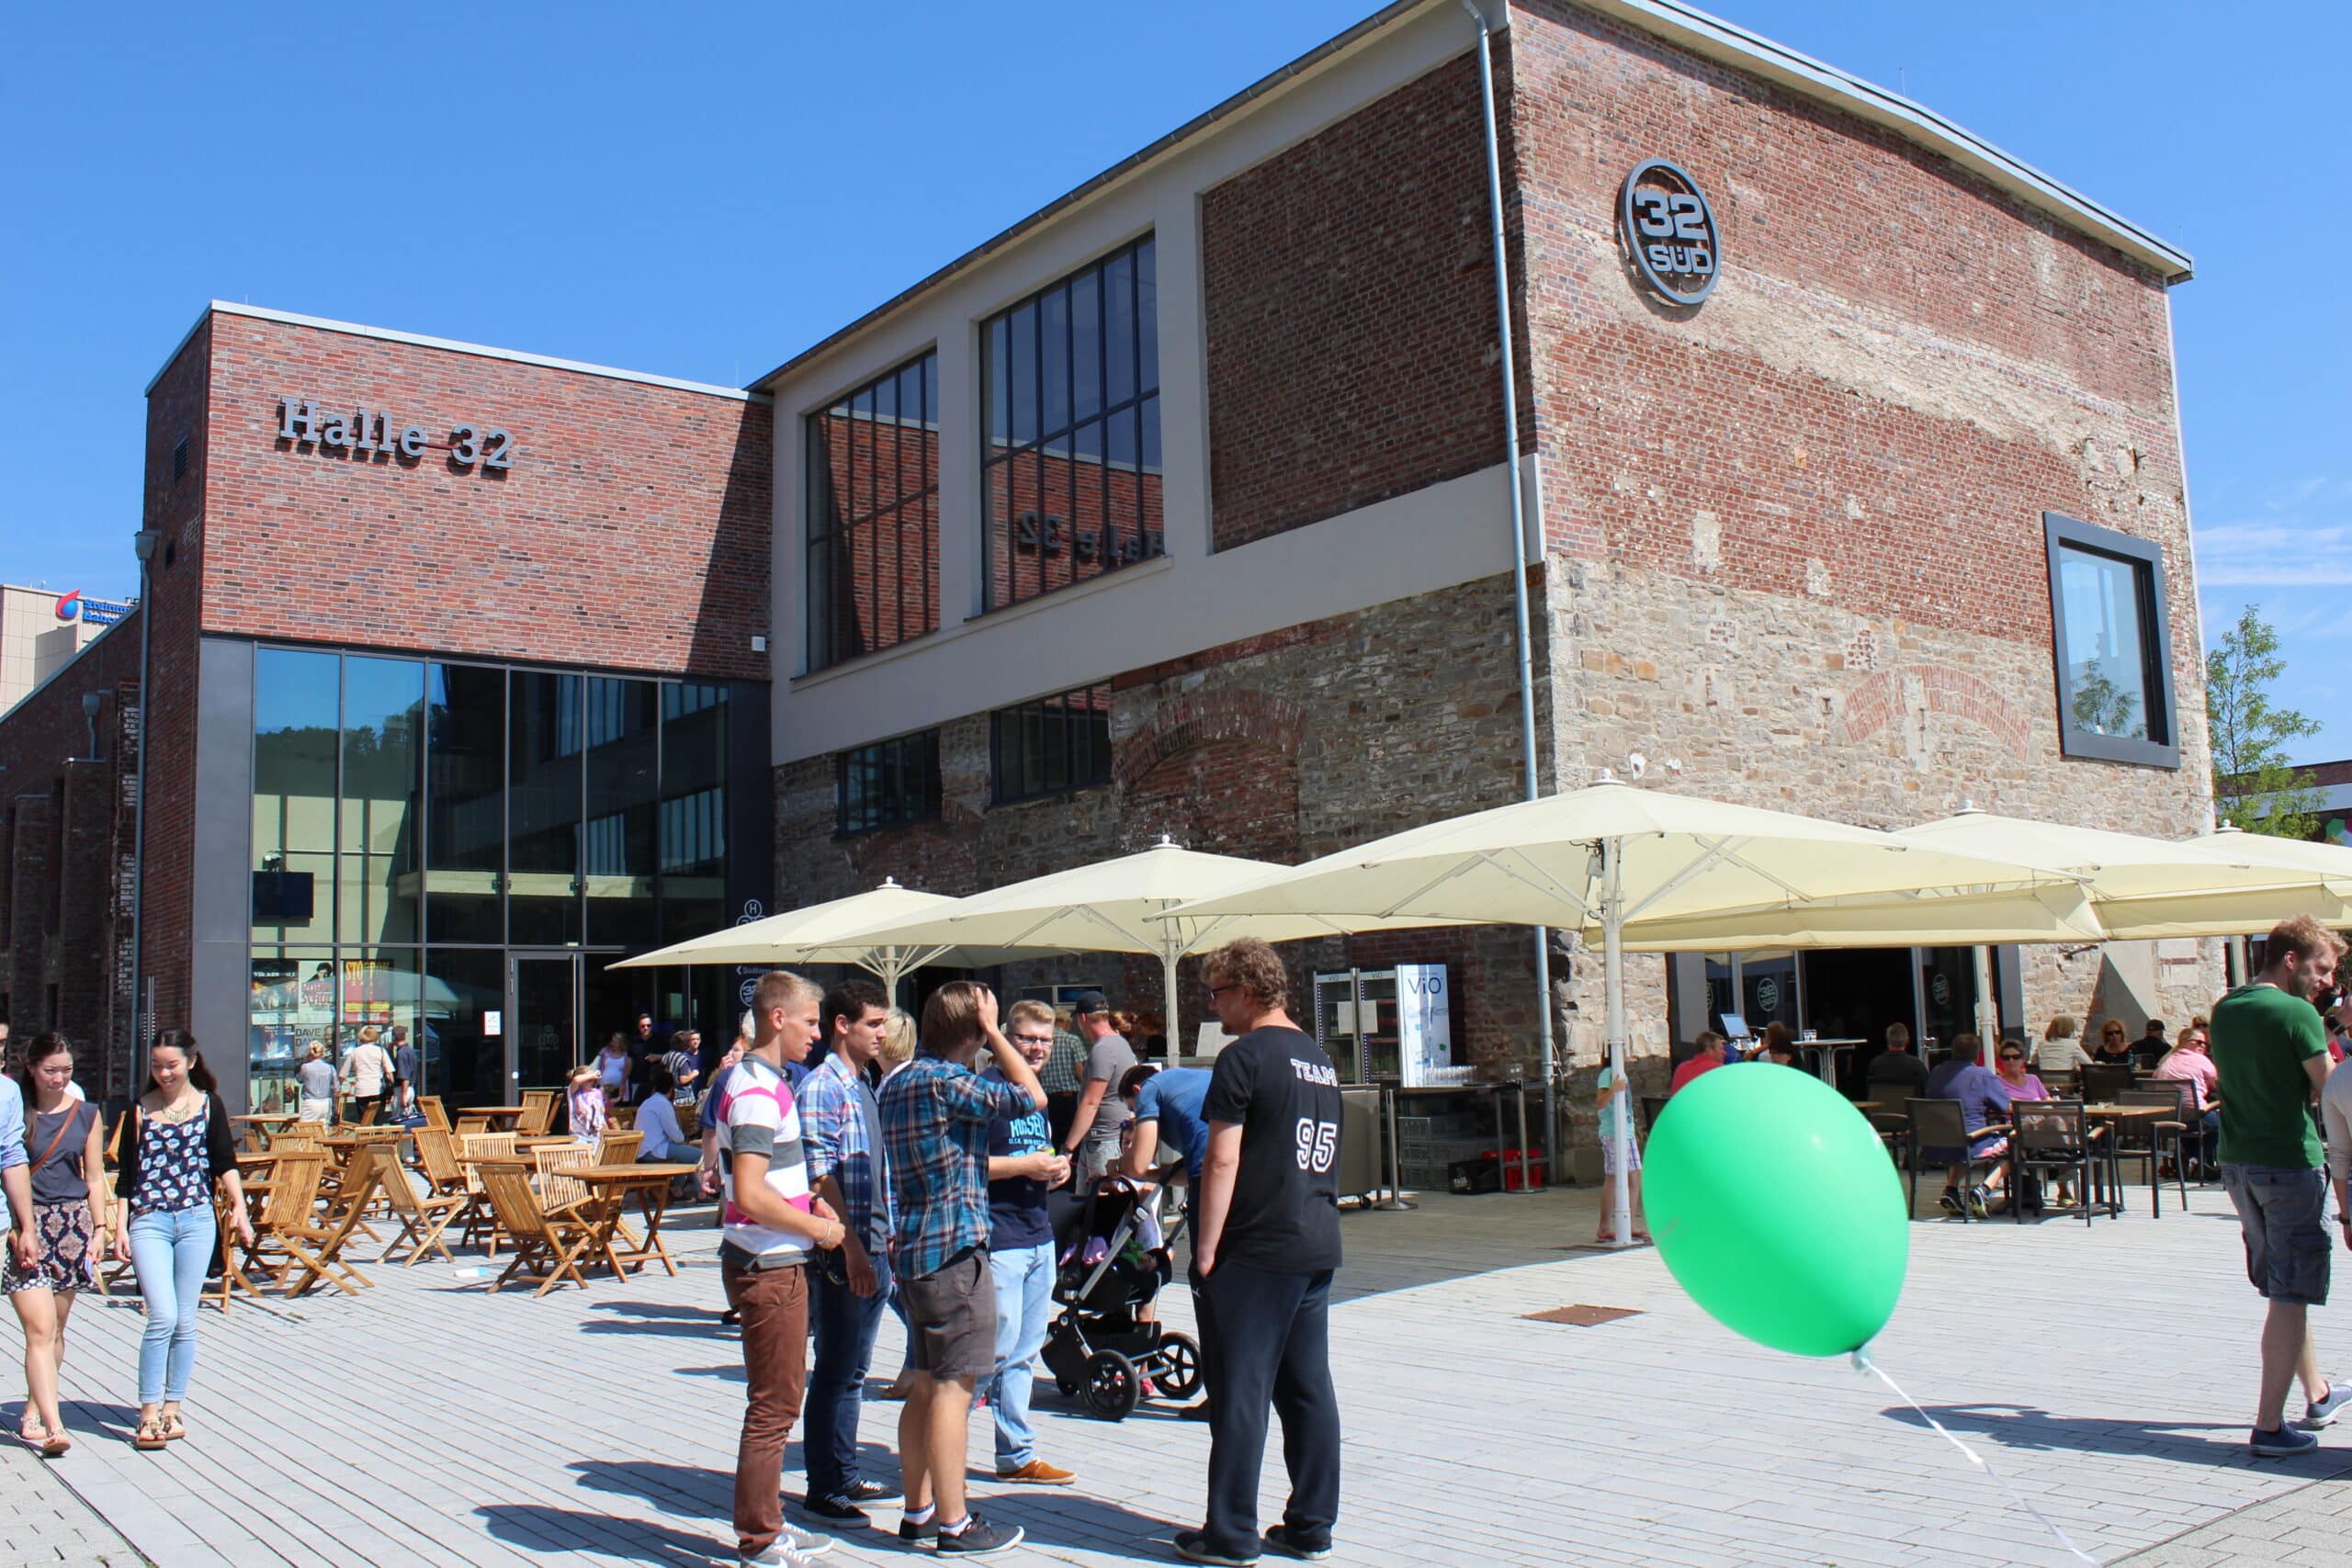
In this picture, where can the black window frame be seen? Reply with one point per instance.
(915, 756)
(2162, 748)
(1109, 550)
(831, 531)
(1005, 726)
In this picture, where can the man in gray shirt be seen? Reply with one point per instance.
(1092, 1141)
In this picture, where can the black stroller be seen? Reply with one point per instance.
(1097, 1351)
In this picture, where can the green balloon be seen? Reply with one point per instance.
(1774, 1205)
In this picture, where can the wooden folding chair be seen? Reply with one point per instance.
(367, 1112)
(547, 1246)
(558, 1192)
(621, 1116)
(422, 1219)
(690, 1122)
(233, 1277)
(436, 1153)
(289, 1195)
(619, 1148)
(469, 1125)
(480, 1224)
(437, 1115)
(538, 1112)
(329, 1236)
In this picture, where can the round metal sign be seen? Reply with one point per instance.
(1768, 995)
(1669, 231)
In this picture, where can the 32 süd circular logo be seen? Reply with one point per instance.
(1669, 231)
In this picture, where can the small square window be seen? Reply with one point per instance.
(1054, 746)
(2113, 647)
(890, 783)
(180, 459)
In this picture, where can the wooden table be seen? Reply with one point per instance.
(264, 1125)
(545, 1141)
(608, 1189)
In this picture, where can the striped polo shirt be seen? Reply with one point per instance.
(756, 1116)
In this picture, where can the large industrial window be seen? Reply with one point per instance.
(1052, 746)
(873, 467)
(1070, 464)
(889, 784)
(2114, 653)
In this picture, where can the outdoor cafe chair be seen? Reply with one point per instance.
(437, 1115)
(331, 1234)
(619, 1148)
(1938, 1126)
(480, 1222)
(690, 1122)
(556, 1191)
(468, 1125)
(422, 1219)
(1894, 1130)
(547, 1245)
(538, 1112)
(2053, 1138)
(436, 1153)
(621, 1116)
(2104, 1083)
(368, 1114)
(289, 1200)
(2147, 1141)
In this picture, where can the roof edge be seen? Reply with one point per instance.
(1730, 44)
(452, 345)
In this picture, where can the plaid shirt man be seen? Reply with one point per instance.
(935, 1119)
(835, 1107)
(1060, 1073)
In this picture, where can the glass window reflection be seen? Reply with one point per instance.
(295, 714)
(466, 788)
(383, 718)
(543, 810)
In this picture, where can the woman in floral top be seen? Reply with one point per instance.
(175, 1149)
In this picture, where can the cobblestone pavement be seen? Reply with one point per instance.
(2107, 1370)
(2311, 1526)
(47, 1524)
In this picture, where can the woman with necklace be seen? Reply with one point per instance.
(174, 1149)
(63, 1144)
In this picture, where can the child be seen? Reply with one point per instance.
(1612, 1099)
(585, 1104)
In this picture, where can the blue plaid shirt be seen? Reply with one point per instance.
(834, 1101)
(935, 1119)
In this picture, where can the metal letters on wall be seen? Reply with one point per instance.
(1668, 230)
(367, 433)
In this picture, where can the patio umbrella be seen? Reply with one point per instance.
(1611, 855)
(818, 933)
(1114, 905)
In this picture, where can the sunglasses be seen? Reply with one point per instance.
(2012, 1056)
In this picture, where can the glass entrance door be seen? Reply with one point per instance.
(543, 1039)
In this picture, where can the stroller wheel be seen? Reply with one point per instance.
(1070, 1388)
(1113, 1388)
(1178, 1374)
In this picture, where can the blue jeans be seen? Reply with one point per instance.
(170, 1251)
(1024, 1296)
(842, 1323)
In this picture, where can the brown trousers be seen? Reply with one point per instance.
(775, 1304)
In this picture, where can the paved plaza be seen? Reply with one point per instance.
(2107, 1372)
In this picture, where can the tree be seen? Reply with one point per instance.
(2254, 787)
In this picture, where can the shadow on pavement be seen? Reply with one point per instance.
(540, 1530)
(2024, 1428)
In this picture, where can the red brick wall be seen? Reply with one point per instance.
(1350, 294)
(1899, 370)
(632, 531)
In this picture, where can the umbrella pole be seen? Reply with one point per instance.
(1613, 971)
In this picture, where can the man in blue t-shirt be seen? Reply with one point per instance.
(1167, 1104)
(1023, 1165)
(1983, 1101)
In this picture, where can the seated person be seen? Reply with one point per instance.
(2023, 1084)
(2113, 1048)
(1896, 1073)
(1778, 1047)
(2187, 1061)
(1984, 1102)
(1705, 1059)
(657, 1118)
(2061, 1052)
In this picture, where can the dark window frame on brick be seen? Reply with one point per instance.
(859, 498)
(1056, 745)
(1069, 429)
(890, 783)
(180, 459)
(2078, 734)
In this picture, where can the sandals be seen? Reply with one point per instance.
(55, 1445)
(173, 1428)
(149, 1436)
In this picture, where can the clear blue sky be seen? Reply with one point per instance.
(702, 190)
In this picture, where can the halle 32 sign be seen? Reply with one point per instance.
(367, 432)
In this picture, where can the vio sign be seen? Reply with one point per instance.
(1669, 232)
(369, 433)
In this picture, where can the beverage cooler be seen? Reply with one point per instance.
(1392, 1026)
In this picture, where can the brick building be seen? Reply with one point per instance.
(1183, 507)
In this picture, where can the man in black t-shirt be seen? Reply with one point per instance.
(1267, 1245)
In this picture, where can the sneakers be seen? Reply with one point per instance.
(865, 1491)
(1194, 1412)
(1037, 1472)
(838, 1512)
(1980, 1201)
(923, 1534)
(1950, 1201)
(2284, 1443)
(1193, 1547)
(2323, 1412)
(791, 1549)
(978, 1537)
(1280, 1540)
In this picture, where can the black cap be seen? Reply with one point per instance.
(1089, 1002)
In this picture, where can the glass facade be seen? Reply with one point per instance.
(419, 827)
(873, 473)
(1069, 457)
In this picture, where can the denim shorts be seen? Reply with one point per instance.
(2287, 1251)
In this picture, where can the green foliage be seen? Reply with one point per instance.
(2254, 787)
(2103, 708)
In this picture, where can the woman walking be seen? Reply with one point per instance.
(68, 1216)
(316, 1078)
(174, 1149)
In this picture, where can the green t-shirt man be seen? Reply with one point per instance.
(2260, 1039)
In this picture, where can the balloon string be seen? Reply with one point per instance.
(1862, 1363)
